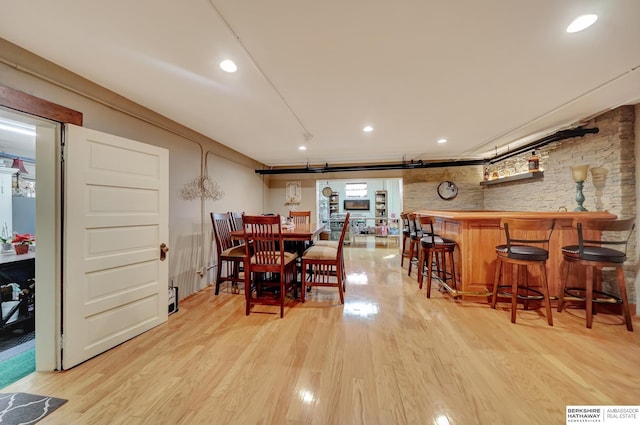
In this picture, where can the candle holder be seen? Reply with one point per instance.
(579, 174)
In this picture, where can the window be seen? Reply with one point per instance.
(355, 190)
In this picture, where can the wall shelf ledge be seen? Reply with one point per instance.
(524, 176)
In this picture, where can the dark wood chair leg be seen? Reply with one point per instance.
(545, 292)
(496, 283)
(589, 306)
(623, 294)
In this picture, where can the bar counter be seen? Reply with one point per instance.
(478, 232)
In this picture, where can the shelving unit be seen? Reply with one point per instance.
(334, 203)
(381, 207)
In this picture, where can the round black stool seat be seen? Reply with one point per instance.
(594, 253)
(436, 241)
(522, 252)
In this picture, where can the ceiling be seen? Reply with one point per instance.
(486, 75)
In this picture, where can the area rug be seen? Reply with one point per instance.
(17, 367)
(25, 409)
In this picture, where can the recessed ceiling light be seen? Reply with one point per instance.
(368, 129)
(302, 148)
(228, 65)
(582, 22)
(442, 141)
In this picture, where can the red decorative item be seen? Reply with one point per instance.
(21, 242)
(21, 248)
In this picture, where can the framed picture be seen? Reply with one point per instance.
(293, 192)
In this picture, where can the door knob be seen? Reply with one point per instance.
(163, 251)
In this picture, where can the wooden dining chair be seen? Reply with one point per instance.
(229, 255)
(270, 270)
(324, 265)
(300, 217)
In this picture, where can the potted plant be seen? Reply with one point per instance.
(21, 242)
(5, 241)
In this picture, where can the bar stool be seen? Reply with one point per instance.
(415, 234)
(406, 236)
(522, 252)
(434, 250)
(594, 255)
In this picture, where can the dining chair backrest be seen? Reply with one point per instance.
(300, 217)
(236, 220)
(345, 225)
(264, 235)
(236, 225)
(222, 231)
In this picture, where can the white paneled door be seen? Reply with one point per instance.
(115, 222)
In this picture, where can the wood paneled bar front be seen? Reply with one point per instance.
(478, 232)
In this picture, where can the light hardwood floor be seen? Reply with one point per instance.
(388, 356)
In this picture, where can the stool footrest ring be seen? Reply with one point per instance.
(599, 296)
(538, 295)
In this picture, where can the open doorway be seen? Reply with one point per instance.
(17, 247)
(27, 212)
(374, 205)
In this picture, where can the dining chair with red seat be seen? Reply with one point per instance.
(270, 271)
(229, 255)
(324, 265)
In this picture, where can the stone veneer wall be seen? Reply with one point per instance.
(612, 148)
(420, 188)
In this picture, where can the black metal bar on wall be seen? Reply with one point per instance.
(408, 165)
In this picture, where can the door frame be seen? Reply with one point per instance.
(48, 311)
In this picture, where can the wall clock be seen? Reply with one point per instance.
(447, 190)
(327, 191)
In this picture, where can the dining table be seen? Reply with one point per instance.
(299, 232)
